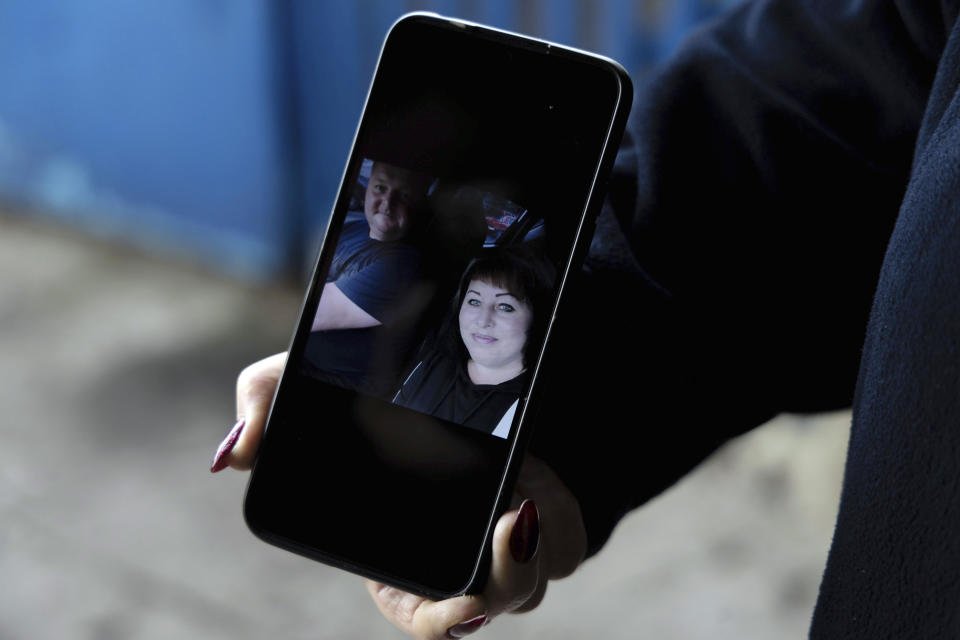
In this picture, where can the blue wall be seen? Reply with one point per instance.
(218, 129)
(157, 122)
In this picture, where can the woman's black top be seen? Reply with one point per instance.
(440, 386)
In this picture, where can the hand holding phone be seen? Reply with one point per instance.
(540, 541)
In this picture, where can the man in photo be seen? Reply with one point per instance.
(359, 330)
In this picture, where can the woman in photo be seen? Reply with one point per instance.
(475, 373)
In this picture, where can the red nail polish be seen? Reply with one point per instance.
(219, 458)
(525, 537)
(466, 628)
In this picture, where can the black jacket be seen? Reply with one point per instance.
(783, 234)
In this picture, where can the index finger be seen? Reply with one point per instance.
(256, 385)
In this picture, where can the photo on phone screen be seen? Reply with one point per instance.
(448, 333)
(398, 424)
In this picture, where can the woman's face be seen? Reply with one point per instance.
(494, 325)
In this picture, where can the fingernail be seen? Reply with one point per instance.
(466, 628)
(525, 537)
(219, 458)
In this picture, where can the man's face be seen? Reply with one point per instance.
(393, 197)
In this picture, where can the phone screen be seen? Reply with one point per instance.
(462, 203)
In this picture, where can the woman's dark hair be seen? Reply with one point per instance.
(526, 276)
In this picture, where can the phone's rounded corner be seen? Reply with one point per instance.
(473, 587)
(478, 581)
(474, 584)
(417, 17)
(626, 85)
(250, 518)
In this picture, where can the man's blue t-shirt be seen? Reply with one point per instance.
(378, 277)
(371, 273)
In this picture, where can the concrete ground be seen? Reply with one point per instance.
(116, 385)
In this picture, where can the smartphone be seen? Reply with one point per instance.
(413, 376)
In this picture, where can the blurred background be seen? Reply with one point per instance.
(166, 170)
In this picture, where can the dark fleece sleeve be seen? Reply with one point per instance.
(735, 262)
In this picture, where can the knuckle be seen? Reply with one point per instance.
(255, 382)
(248, 386)
(516, 588)
(245, 380)
(534, 600)
(524, 595)
(398, 606)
